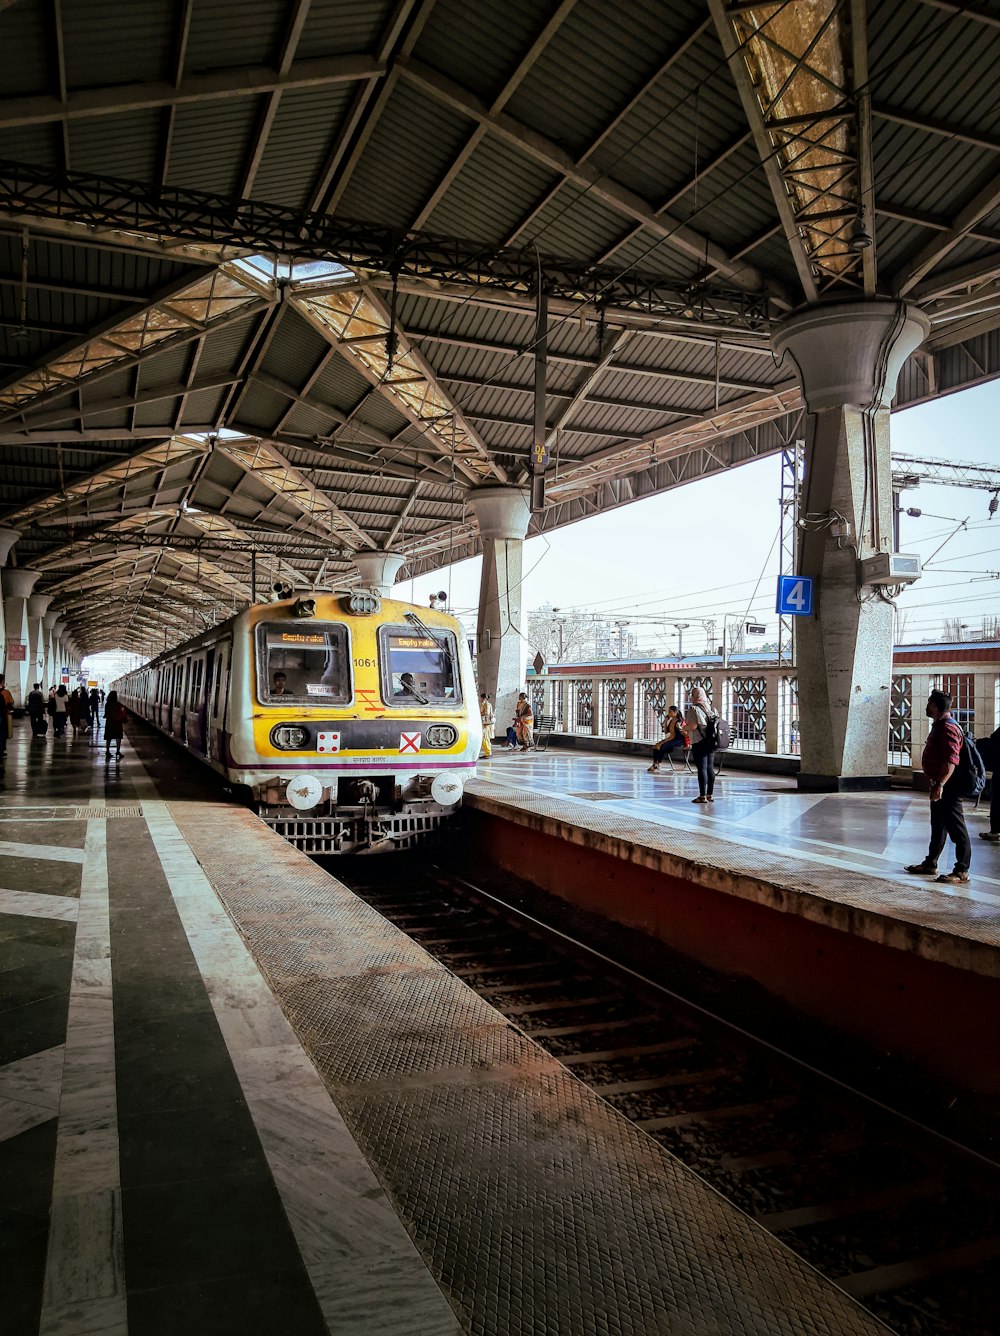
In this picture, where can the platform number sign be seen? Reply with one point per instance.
(795, 596)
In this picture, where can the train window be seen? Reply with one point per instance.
(310, 667)
(419, 669)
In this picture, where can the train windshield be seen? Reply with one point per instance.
(419, 669)
(307, 667)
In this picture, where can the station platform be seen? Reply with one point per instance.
(234, 1099)
(804, 892)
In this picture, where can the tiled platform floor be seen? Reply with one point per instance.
(877, 833)
(172, 1161)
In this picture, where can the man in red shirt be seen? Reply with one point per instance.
(940, 764)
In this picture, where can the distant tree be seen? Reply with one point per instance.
(560, 637)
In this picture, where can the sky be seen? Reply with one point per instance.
(709, 548)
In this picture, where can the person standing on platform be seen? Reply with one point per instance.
(36, 711)
(673, 737)
(990, 752)
(524, 722)
(940, 763)
(696, 718)
(488, 715)
(114, 719)
(6, 715)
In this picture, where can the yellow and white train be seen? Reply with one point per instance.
(351, 722)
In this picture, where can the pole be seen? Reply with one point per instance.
(539, 446)
(253, 575)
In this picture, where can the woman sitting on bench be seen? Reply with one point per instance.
(674, 737)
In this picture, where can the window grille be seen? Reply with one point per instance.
(651, 706)
(788, 716)
(536, 695)
(613, 707)
(745, 706)
(901, 720)
(961, 687)
(581, 695)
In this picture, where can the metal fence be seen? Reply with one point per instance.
(762, 706)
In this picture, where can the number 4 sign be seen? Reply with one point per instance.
(795, 596)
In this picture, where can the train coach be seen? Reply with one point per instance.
(349, 721)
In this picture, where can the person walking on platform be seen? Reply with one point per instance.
(36, 711)
(940, 763)
(6, 714)
(73, 710)
(114, 719)
(696, 717)
(95, 710)
(673, 737)
(524, 722)
(488, 715)
(60, 711)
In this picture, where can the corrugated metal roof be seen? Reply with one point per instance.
(305, 126)
(420, 138)
(342, 26)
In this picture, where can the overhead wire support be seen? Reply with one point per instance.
(170, 214)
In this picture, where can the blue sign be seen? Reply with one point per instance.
(795, 596)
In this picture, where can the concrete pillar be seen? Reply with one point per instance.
(378, 570)
(38, 606)
(8, 537)
(848, 357)
(17, 585)
(503, 514)
(49, 671)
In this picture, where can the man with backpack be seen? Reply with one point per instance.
(946, 764)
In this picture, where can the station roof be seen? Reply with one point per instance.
(268, 272)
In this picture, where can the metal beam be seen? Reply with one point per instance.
(34, 421)
(246, 81)
(765, 149)
(975, 13)
(296, 21)
(681, 49)
(933, 125)
(369, 103)
(39, 193)
(552, 155)
(555, 21)
(861, 85)
(985, 200)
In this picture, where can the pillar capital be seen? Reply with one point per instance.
(38, 604)
(378, 569)
(850, 353)
(8, 537)
(49, 617)
(18, 581)
(502, 512)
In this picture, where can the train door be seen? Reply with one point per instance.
(204, 700)
(217, 704)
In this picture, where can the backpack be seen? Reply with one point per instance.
(989, 750)
(716, 733)
(970, 770)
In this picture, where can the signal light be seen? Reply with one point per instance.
(304, 607)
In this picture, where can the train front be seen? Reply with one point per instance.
(362, 721)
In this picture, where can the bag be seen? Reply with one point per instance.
(970, 771)
(716, 733)
(50, 707)
(121, 714)
(39, 725)
(989, 750)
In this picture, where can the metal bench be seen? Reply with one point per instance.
(544, 729)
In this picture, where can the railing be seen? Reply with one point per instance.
(760, 704)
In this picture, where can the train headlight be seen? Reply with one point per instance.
(363, 602)
(440, 735)
(289, 737)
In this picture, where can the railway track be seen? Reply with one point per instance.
(901, 1217)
